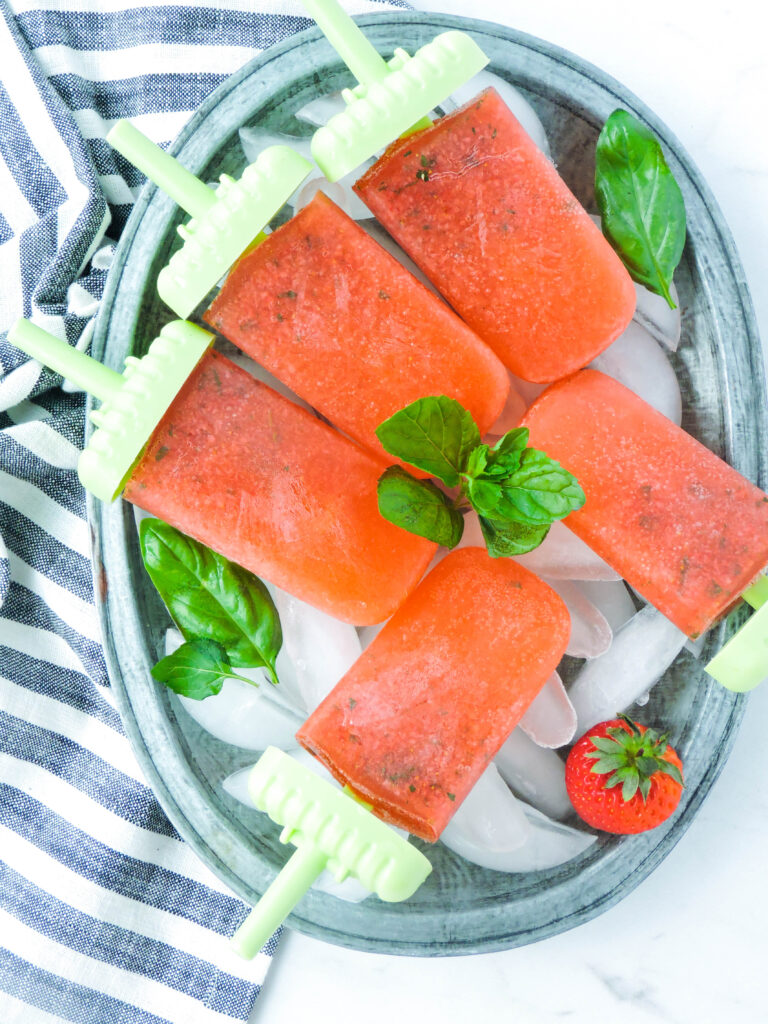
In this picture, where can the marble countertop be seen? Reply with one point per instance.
(688, 944)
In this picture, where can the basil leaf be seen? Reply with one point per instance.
(419, 507)
(539, 491)
(641, 205)
(504, 539)
(211, 598)
(197, 669)
(435, 433)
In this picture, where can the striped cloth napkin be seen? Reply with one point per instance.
(106, 917)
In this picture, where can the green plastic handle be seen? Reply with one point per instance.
(87, 372)
(348, 41)
(306, 864)
(181, 185)
(742, 663)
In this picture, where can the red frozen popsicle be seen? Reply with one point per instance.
(492, 224)
(265, 483)
(679, 524)
(322, 306)
(420, 715)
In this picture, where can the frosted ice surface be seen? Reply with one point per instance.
(612, 598)
(317, 649)
(240, 714)
(489, 820)
(563, 555)
(535, 773)
(639, 363)
(319, 111)
(490, 830)
(641, 652)
(653, 313)
(550, 721)
(513, 98)
(590, 633)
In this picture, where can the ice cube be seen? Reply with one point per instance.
(317, 649)
(590, 633)
(535, 773)
(550, 720)
(640, 654)
(612, 598)
(653, 313)
(489, 819)
(318, 112)
(563, 556)
(498, 832)
(252, 717)
(639, 363)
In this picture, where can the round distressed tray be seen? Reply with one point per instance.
(461, 908)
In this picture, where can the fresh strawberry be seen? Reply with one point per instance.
(623, 778)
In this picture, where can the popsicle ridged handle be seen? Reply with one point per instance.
(329, 830)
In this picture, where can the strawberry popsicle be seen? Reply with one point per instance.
(187, 435)
(679, 524)
(265, 483)
(491, 223)
(327, 310)
(416, 720)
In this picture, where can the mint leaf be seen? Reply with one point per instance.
(477, 460)
(197, 669)
(539, 491)
(507, 452)
(419, 507)
(484, 495)
(211, 598)
(504, 539)
(641, 205)
(435, 434)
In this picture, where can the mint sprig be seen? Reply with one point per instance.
(197, 669)
(517, 491)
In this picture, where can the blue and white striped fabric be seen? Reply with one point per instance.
(106, 917)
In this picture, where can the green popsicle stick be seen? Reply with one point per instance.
(224, 223)
(742, 663)
(392, 99)
(329, 830)
(132, 402)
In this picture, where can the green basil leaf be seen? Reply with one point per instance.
(435, 433)
(211, 598)
(419, 507)
(504, 539)
(539, 491)
(641, 205)
(197, 669)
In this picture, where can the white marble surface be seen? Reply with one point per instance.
(689, 944)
